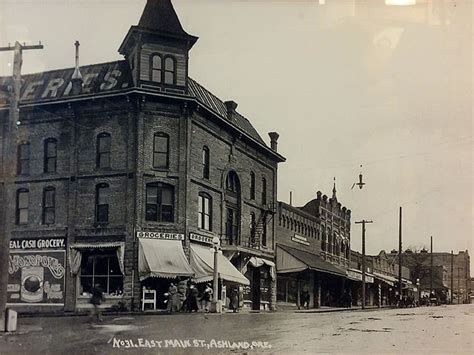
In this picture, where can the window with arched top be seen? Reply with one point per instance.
(50, 155)
(103, 146)
(170, 71)
(204, 211)
(160, 150)
(156, 68)
(49, 205)
(252, 185)
(205, 162)
(232, 183)
(264, 191)
(22, 206)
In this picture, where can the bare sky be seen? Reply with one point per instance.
(345, 83)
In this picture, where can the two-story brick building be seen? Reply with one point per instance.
(313, 251)
(127, 170)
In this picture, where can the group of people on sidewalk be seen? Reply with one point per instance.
(185, 297)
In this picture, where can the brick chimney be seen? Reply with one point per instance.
(231, 107)
(274, 140)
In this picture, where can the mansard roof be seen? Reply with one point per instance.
(109, 78)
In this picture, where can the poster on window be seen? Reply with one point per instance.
(36, 272)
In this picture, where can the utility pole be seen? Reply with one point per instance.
(400, 285)
(363, 222)
(452, 276)
(431, 266)
(9, 169)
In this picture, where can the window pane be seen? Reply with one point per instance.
(156, 62)
(200, 217)
(206, 222)
(24, 151)
(116, 285)
(152, 195)
(86, 283)
(104, 144)
(161, 144)
(103, 213)
(102, 282)
(207, 207)
(49, 198)
(23, 199)
(51, 149)
(114, 268)
(167, 213)
(151, 213)
(24, 167)
(156, 76)
(167, 196)
(49, 216)
(102, 195)
(87, 266)
(169, 64)
(169, 77)
(101, 265)
(23, 216)
(104, 160)
(200, 204)
(160, 160)
(51, 165)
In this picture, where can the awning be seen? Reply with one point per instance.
(386, 278)
(356, 275)
(202, 262)
(257, 262)
(75, 254)
(162, 258)
(294, 260)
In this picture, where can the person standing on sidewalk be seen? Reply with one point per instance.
(97, 297)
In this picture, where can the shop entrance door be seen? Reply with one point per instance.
(256, 292)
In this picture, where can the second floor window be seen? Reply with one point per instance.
(156, 68)
(50, 155)
(49, 205)
(103, 150)
(160, 150)
(252, 185)
(253, 228)
(163, 69)
(205, 211)
(102, 203)
(22, 205)
(205, 163)
(264, 191)
(159, 203)
(23, 167)
(170, 71)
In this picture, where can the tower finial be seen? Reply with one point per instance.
(334, 190)
(76, 75)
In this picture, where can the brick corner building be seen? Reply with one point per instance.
(127, 171)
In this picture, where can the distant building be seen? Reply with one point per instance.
(313, 251)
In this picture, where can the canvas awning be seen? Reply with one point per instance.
(386, 278)
(295, 260)
(162, 258)
(202, 262)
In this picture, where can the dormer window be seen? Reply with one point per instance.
(163, 69)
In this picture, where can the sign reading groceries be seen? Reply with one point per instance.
(160, 235)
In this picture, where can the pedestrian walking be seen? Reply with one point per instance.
(192, 298)
(182, 294)
(206, 297)
(97, 297)
(173, 299)
(234, 300)
(304, 298)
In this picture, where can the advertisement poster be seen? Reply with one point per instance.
(36, 271)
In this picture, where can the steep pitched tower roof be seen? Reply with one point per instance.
(158, 18)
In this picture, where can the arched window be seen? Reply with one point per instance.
(23, 167)
(170, 70)
(156, 66)
(159, 202)
(22, 205)
(160, 151)
(102, 200)
(205, 162)
(323, 242)
(264, 191)
(50, 155)
(49, 205)
(252, 185)
(253, 228)
(232, 183)
(204, 211)
(103, 150)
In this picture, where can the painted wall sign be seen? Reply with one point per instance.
(300, 239)
(36, 272)
(160, 235)
(200, 238)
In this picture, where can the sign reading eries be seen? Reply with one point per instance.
(36, 271)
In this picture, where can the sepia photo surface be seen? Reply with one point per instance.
(236, 176)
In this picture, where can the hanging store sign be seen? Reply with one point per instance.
(300, 239)
(200, 238)
(36, 272)
(357, 275)
(160, 235)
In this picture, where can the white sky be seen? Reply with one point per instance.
(345, 83)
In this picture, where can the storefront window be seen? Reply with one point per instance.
(101, 268)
